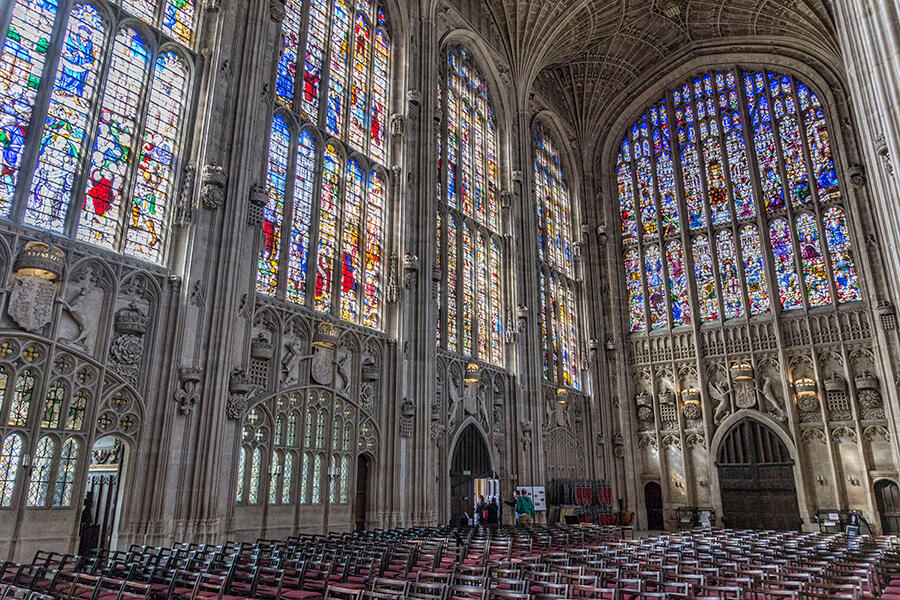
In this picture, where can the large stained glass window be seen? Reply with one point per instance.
(555, 251)
(736, 168)
(92, 135)
(324, 232)
(472, 280)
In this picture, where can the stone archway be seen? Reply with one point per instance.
(756, 478)
(471, 460)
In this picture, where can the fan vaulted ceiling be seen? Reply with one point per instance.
(585, 56)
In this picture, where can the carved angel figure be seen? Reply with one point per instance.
(722, 397)
(773, 403)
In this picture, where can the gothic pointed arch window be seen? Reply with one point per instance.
(96, 98)
(324, 224)
(559, 327)
(734, 167)
(471, 250)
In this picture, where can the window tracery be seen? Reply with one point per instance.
(467, 218)
(327, 201)
(320, 458)
(93, 145)
(559, 327)
(758, 190)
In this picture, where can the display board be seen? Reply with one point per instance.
(538, 496)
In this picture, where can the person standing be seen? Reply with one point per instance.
(513, 502)
(524, 508)
(480, 509)
(493, 513)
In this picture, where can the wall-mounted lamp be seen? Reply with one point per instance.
(820, 480)
(854, 481)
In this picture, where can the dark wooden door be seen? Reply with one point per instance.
(887, 498)
(471, 461)
(654, 505)
(362, 486)
(756, 478)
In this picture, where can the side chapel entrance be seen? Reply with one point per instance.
(471, 461)
(100, 513)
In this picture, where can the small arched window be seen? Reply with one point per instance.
(65, 474)
(10, 454)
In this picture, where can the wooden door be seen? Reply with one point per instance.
(887, 499)
(756, 478)
(362, 487)
(654, 505)
(471, 461)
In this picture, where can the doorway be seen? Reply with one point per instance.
(887, 499)
(756, 478)
(362, 487)
(654, 505)
(100, 512)
(471, 461)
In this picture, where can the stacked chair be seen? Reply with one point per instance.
(525, 563)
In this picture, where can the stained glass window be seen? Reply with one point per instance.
(304, 477)
(838, 239)
(746, 143)
(316, 479)
(40, 472)
(53, 404)
(10, 455)
(21, 65)
(681, 306)
(77, 406)
(255, 476)
(814, 270)
(273, 478)
(242, 460)
(785, 268)
(656, 293)
(350, 243)
(732, 296)
(472, 279)
(754, 270)
(112, 159)
(555, 252)
(635, 287)
(65, 474)
(705, 279)
(287, 478)
(345, 82)
(21, 400)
